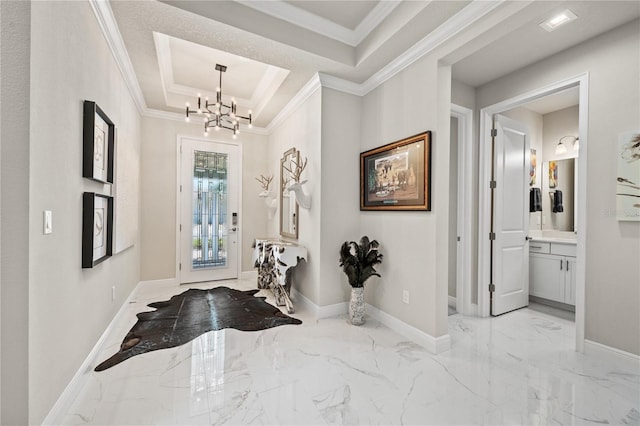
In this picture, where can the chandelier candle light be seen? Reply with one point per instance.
(218, 114)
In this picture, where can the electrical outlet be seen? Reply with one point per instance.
(113, 293)
(405, 296)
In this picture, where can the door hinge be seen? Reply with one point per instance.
(181, 228)
(458, 238)
(492, 287)
(180, 188)
(492, 236)
(492, 184)
(180, 267)
(494, 133)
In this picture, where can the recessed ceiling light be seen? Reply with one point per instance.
(559, 19)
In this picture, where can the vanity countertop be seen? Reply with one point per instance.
(558, 240)
(559, 237)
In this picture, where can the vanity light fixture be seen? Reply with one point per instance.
(562, 148)
(558, 20)
(219, 114)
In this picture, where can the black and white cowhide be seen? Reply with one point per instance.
(192, 313)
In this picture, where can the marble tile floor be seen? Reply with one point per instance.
(519, 369)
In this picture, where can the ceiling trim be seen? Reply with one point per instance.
(454, 25)
(109, 27)
(461, 20)
(303, 94)
(111, 32)
(312, 22)
(373, 19)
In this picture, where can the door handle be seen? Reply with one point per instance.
(561, 264)
(234, 229)
(528, 238)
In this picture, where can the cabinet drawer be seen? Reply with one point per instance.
(538, 247)
(563, 249)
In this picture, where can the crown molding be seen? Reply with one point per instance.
(467, 16)
(342, 85)
(109, 27)
(461, 20)
(303, 94)
(373, 19)
(319, 25)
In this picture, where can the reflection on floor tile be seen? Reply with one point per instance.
(519, 368)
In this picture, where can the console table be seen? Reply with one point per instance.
(276, 260)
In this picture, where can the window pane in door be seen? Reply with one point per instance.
(209, 202)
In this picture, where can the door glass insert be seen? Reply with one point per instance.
(209, 201)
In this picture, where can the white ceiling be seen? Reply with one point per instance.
(555, 102)
(273, 48)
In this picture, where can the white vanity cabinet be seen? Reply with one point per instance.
(552, 271)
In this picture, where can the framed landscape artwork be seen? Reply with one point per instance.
(97, 228)
(98, 137)
(397, 176)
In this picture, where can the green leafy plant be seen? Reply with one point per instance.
(357, 260)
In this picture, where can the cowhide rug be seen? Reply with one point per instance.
(192, 313)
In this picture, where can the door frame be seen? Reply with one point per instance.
(465, 209)
(178, 246)
(484, 211)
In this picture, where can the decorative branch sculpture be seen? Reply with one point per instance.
(265, 181)
(269, 198)
(302, 199)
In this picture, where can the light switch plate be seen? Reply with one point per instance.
(47, 222)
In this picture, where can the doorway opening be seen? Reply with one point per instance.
(485, 259)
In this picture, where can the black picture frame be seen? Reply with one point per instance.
(97, 228)
(397, 176)
(98, 140)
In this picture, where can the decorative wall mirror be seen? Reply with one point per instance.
(288, 205)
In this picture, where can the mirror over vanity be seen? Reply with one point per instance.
(559, 175)
(288, 205)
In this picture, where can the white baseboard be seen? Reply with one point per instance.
(595, 348)
(71, 392)
(453, 302)
(300, 299)
(333, 310)
(434, 345)
(249, 276)
(162, 282)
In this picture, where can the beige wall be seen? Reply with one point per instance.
(415, 244)
(15, 48)
(302, 130)
(453, 207)
(340, 191)
(613, 248)
(158, 193)
(69, 307)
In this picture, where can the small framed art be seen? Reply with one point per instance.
(97, 228)
(97, 144)
(397, 176)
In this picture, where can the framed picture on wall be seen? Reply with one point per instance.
(97, 228)
(628, 177)
(98, 138)
(397, 176)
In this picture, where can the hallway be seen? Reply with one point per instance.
(519, 368)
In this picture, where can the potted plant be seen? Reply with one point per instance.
(357, 262)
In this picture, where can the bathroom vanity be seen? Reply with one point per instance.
(552, 266)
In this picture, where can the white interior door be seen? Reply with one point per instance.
(209, 215)
(510, 247)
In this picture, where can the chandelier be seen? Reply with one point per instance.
(218, 114)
